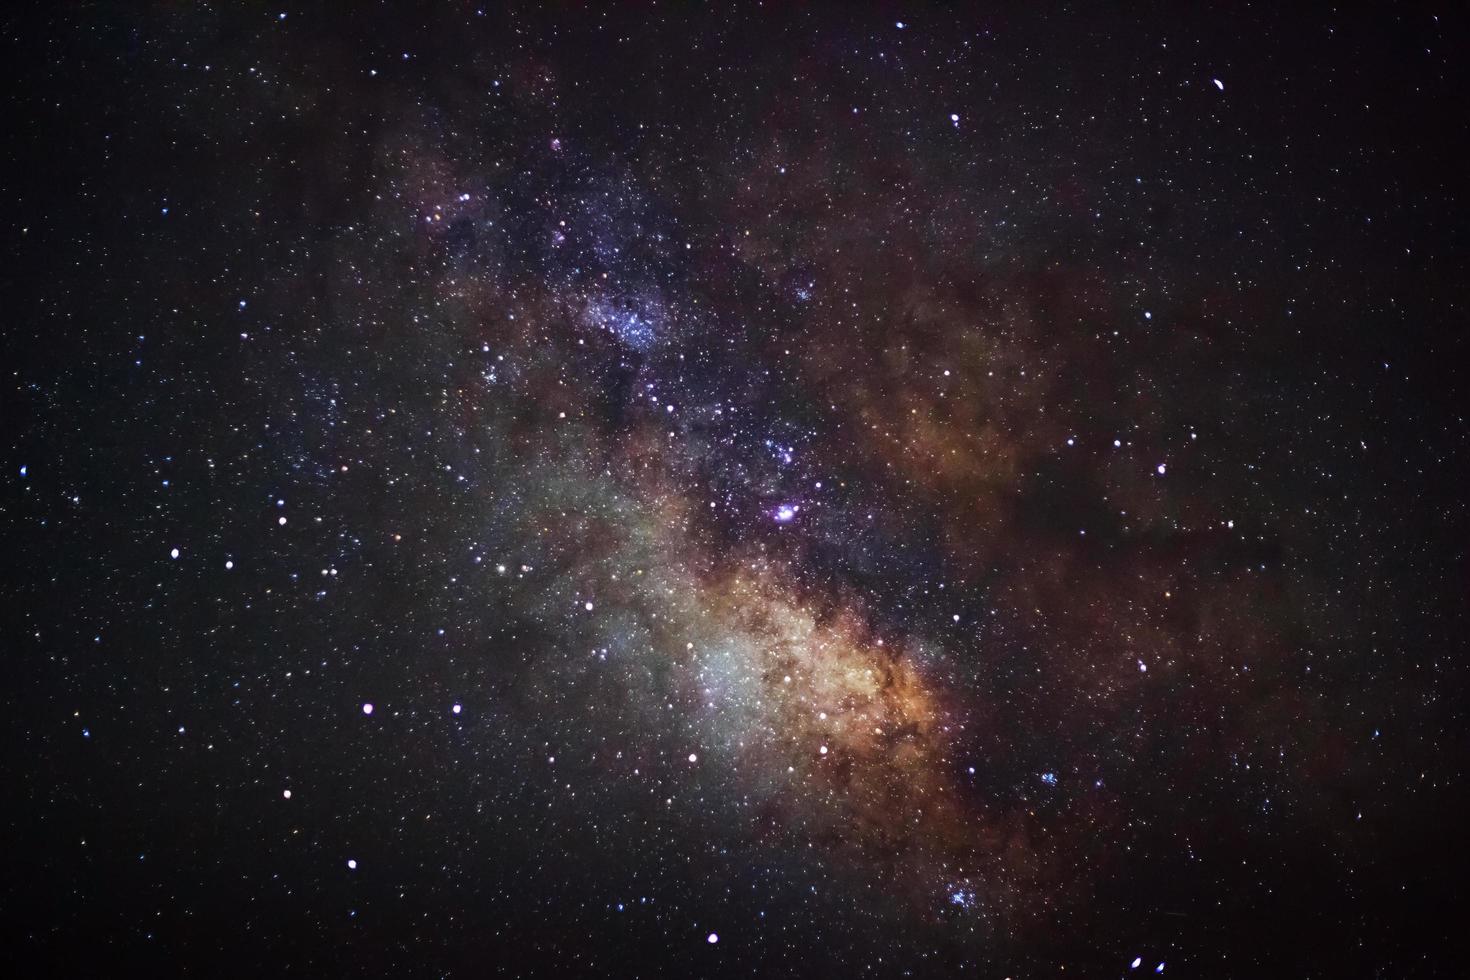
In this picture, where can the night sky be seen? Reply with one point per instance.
(710, 490)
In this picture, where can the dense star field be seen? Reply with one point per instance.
(701, 490)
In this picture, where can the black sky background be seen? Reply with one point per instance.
(1302, 231)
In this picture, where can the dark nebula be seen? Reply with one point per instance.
(729, 490)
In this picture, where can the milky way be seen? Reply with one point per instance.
(727, 491)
